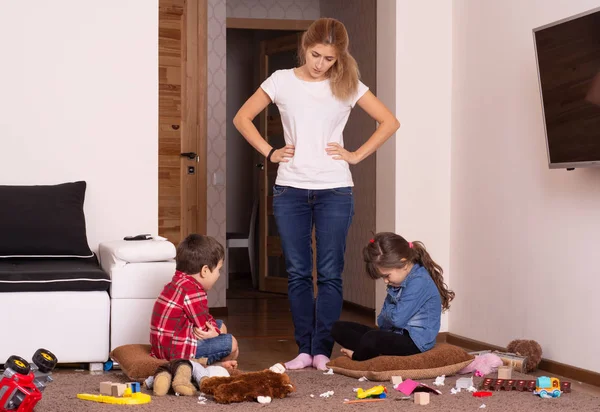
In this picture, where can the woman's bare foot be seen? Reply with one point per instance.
(347, 352)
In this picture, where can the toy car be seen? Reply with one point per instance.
(378, 391)
(547, 387)
(22, 384)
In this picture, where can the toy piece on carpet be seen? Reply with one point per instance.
(244, 387)
(504, 372)
(491, 384)
(118, 394)
(22, 384)
(422, 398)
(547, 387)
(409, 386)
(378, 391)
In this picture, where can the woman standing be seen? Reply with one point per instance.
(314, 183)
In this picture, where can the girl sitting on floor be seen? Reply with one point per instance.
(416, 294)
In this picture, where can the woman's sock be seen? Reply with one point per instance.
(320, 362)
(304, 360)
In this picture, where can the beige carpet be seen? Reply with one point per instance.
(60, 395)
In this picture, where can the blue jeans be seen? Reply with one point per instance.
(215, 348)
(330, 211)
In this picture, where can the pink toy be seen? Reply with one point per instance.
(483, 365)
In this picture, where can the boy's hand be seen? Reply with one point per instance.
(210, 333)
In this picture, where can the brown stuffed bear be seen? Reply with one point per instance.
(262, 386)
(528, 348)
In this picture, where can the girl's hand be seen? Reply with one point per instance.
(283, 155)
(339, 153)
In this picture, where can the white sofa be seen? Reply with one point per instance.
(53, 293)
(138, 271)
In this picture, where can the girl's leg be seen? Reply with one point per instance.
(333, 211)
(349, 334)
(293, 214)
(378, 342)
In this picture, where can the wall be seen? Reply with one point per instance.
(423, 50)
(216, 145)
(274, 9)
(79, 101)
(523, 237)
(359, 17)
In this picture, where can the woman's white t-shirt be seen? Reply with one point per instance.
(312, 117)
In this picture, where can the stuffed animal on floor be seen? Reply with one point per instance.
(528, 348)
(482, 365)
(262, 386)
(183, 376)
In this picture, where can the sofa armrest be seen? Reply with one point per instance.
(119, 253)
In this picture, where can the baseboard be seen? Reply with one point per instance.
(546, 365)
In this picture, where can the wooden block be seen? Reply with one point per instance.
(422, 398)
(396, 380)
(504, 372)
(117, 389)
(105, 388)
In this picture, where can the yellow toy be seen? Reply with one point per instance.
(378, 391)
(128, 398)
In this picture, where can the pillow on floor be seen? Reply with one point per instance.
(136, 363)
(443, 359)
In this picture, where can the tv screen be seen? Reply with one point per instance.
(568, 59)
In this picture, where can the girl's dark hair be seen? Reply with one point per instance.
(195, 251)
(344, 73)
(391, 251)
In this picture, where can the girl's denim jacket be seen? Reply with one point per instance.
(415, 306)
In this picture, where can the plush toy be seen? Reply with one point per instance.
(483, 364)
(262, 386)
(528, 348)
(183, 376)
(186, 377)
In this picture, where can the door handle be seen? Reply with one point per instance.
(190, 155)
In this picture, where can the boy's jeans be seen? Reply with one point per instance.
(331, 212)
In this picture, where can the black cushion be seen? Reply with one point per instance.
(43, 221)
(52, 275)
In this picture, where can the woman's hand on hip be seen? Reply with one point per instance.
(339, 153)
(283, 155)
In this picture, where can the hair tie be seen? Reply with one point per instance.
(372, 241)
(410, 245)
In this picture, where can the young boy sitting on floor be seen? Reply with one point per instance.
(181, 327)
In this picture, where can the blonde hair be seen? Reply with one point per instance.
(344, 74)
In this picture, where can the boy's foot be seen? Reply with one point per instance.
(347, 352)
(320, 362)
(304, 360)
(230, 365)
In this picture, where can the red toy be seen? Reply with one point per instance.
(22, 384)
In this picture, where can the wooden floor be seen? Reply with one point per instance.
(262, 324)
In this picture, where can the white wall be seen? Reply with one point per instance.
(79, 101)
(423, 50)
(524, 237)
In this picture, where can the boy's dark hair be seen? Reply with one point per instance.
(386, 250)
(195, 251)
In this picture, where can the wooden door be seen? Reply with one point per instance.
(182, 45)
(275, 54)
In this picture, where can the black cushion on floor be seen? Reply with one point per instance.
(52, 275)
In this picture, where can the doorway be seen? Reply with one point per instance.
(182, 73)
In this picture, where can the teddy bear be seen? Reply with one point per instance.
(186, 377)
(181, 375)
(261, 386)
(528, 348)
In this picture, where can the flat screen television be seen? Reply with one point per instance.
(568, 62)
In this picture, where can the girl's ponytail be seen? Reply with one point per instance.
(436, 272)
